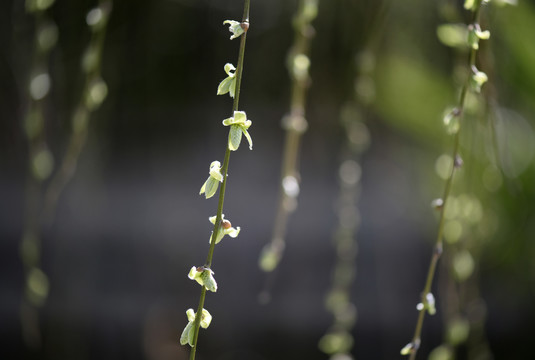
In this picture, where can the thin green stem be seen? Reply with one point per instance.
(439, 240)
(80, 117)
(224, 171)
(295, 125)
(34, 126)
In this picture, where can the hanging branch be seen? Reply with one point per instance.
(238, 124)
(295, 124)
(41, 159)
(93, 94)
(453, 122)
(41, 165)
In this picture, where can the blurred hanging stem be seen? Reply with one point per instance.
(41, 160)
(295, 125)
(224, 171)
(427, 300)
(338, 341)
(41, 164)
(93, 94)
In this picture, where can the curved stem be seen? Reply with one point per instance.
(439, 240)
(80, 120)
(295, 125)
(224, 170)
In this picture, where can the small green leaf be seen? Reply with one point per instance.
(453, 35)
(469, 4)
(428, 304)
(225, 228)
(232, 88)
(204, 276)
(457, 331)
(208, 280)
(452, 120)
(478, 79)
(190, 313)
(238, 125)
(407, 349)
(235, 28)
(234, 137)
(229, 68)
(215, 171)
(246, 133)
(211, 184)
(206, 319)
(229, 83)
(443, 352)
(185, 337)
(269, 258)
(463, 265)
(209, 188)
(224, 86)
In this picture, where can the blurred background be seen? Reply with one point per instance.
(130, 224)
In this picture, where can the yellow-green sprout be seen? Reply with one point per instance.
(211, 184)
(189, 330)
(225, 228)
(238, 126)
(204, 276)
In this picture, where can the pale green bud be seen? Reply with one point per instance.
(300, 66)
(238, 126)
(206, 319)
(463, 265)
(475, 34)
(97, 18)
(428, 304)
(225, 228)
(228, 85)
(204, 276)
(211, 184)
(457, 331)
(235, 28)
(189, 331)
(187, 335)
(38, 5)
(453, 35)
(478, 79)
(42, 164)
(407, 349)
(269, 258)
(442, 352)
(96, 93)
(336, 342)
(37, 286)
(452, 120)
(469, 4)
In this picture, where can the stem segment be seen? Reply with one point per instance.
(439, 240)
(295, 125)
(208, 263)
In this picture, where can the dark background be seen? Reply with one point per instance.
(131, 223)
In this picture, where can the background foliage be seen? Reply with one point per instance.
(131, 221)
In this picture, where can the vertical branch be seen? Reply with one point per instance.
(93, 94)
(295, 124)
(338, 340)
(219, 222)
(41, 164)
(40, 158)
(454, 122)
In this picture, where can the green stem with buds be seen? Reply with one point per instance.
(455, 165)
(91, 66)
(295, 125)
(224, 171)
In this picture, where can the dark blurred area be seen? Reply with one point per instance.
(131, 223)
